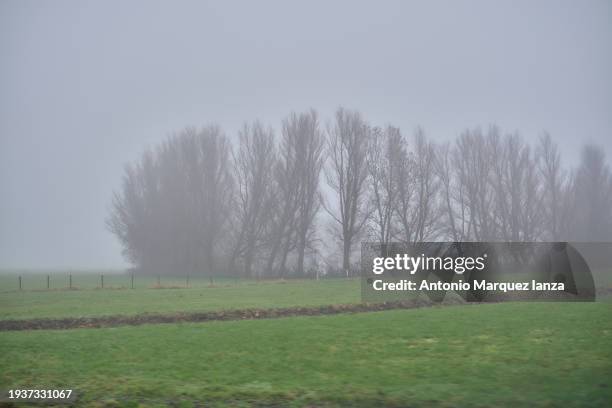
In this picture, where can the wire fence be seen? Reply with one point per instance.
(113, 280)
(14, 281)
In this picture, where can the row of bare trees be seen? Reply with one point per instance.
(300, 203)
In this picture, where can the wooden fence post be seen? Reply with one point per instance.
(48, 279)
(70, 281)
(102, 280)
(132, 280)
(19, 282)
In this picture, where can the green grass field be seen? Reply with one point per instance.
(15, 304)
(510, 354)
(486, 355)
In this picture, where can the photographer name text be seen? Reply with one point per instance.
(424, 285)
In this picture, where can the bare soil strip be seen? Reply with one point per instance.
(242, 314)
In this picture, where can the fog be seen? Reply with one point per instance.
(87, 86)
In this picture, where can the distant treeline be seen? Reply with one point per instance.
(300, 203)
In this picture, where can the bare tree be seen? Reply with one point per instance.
(516, 185)
(215, 188)
(554, 185)
(592, 192)
(473, 160)
(131, 218)
(310, 143)
(171, 211)
(418, 205)
(297, 176)
(253, 168)
(387, 158)
(455, 222)
(346, 175)
(282, 238)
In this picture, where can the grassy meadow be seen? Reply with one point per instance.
(507, 354)
(172, 296)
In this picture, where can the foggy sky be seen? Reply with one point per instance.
(86, 86)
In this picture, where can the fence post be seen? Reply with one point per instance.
(158, 280)
(132, 280)
(102, 280)
(19, 282)
(187, 281)
(70, 281)
(48, 279)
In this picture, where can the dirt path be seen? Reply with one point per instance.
(242, 314)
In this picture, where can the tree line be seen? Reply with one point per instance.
(299, 203)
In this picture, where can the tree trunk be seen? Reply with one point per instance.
(346, 257)
(300, 261)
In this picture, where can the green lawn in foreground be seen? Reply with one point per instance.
(227, 294)
(511, 354)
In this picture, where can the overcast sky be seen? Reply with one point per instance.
(86, 86)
